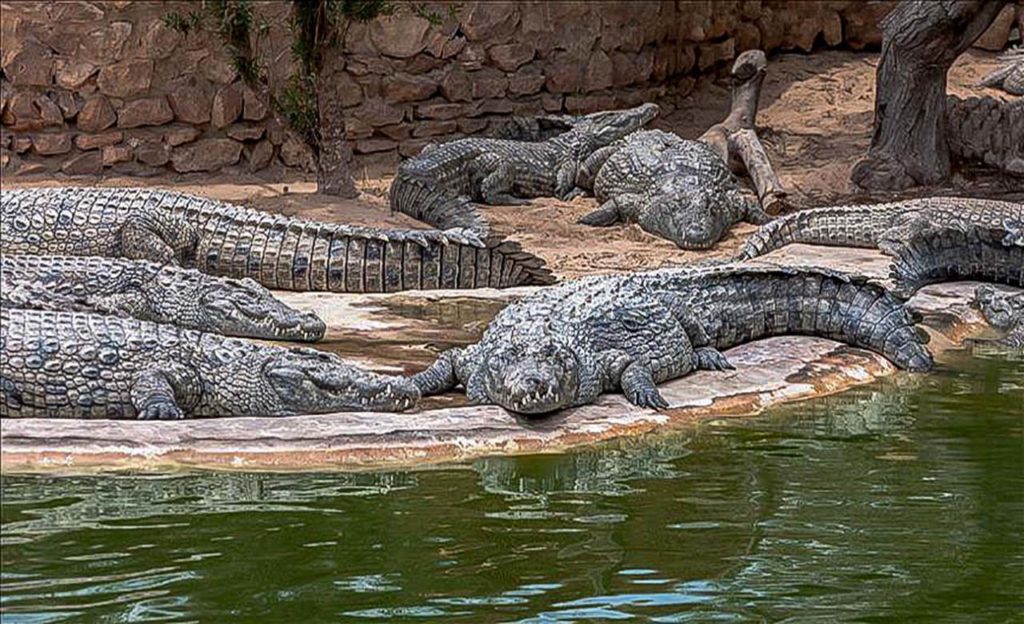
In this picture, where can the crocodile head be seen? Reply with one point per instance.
(598, 130)
(534, 376)
(1003, 310)
(305, 381)
(244, 308)
(686, 213)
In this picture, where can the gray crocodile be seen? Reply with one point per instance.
(440, 185)
(1004, 311)
(1009, 76)
(565, 345)
(925, 252)
(674, 188)
(153, 292)
(535, 128)
(81, 365)
(276, 251)
(864, 226)
(987, 130)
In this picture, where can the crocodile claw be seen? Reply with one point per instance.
(647, 397)
(162, 410)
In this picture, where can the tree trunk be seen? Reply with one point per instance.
(920, 41)
(334, 152)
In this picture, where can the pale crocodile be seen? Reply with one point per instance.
(440, 185)
(152, 292)
(81, 365)
(671, 187)
(276, 251)
(565, 345)
(864, 226)
(1009, 76)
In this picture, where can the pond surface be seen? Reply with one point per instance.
(899, 501)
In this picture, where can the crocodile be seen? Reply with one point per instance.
(565, 345)
(535, 128)
(988, 130)
(865, 225)
(925, 252)
(153, 292)
(440, 185)
(674, 188)
(1004, 311)
(1009, 76)
(82, 365)
(279, 252)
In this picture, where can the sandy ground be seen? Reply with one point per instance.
(815, 119)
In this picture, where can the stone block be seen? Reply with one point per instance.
(31, 65)
(511, 56)
(399, 36)
(253, 106)
(397, 132)
(150, 111)
(357, 129)
(49, 113)
(159, 40)
(246, 132)
(456, 85)
(259, 155)
(488, 83)
(997, 35)
(87, 163)
(206, 155)
(564, 75)
(68, 104)
(87, 142)
(97, 114)
(470, 126)
(191, 99)
(126, 79)
(434, 128)
(409, 149)
(20, 145)
(295, 153)
(153, 153)
(599, 72)
(862, 23)
(179, 135)
(527, 81)
(52, 144)
(490, 21)
(219, 69)
(105, 43)
(378, 113)
(373, 146)
(73, 73)
(227, 106)
(113, 154)
(408, 88)
(440, 110)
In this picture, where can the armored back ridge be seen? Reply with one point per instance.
(565, 345)
(79, 365)
(153, 292)
(276, 251)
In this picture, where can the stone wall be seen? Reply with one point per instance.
(89, 87)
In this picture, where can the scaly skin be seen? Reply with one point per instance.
(864, 226)
(153, 292)
(440, 185)
(1004, 311)
(276, 251)
(79, 365)
(925, 252)
(987, 130)
(1009, 76)
(565, 345)
(673, 188)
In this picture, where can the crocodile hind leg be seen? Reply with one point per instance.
(158, 237)
(496, 185)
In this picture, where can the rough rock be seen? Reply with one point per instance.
(344, 91)
(399, 36)
(408, 88)
(440, 110)
(49, 113)
(159, 40)
(191, 99)
(253, 106)
(153, 153)
(219, 70)
(73, 73)
(456, 85)
(105, 43)
(373, 146)
(245, 132)
(20, 145)
(31, 65)
(862, 26)
(295, 153)
(259, 155)
(357, 129)
(490, 21)
(150, 111)
(96, 141)
(227, 106)
(113, 154)
(206, 155)
(472, 57)
(599, 72)
(488, 83)
(68, 104)
(397, 132)
(435, 128)
(998, 33)
(378, 113)
(527, 81)
(86, 163)
(179, 135)
(126, 79)
(96, 114)
(564, 75)
(511, 56)
(52, 144)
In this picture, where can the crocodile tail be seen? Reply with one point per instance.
(755, 214)
(422, 199)
(738, 303)
(954, 251)
(294, 254)
(845, 226)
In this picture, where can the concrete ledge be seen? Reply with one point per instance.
(402, 332)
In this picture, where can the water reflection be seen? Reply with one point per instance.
(899, 501)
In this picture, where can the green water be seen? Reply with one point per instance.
(901, 501)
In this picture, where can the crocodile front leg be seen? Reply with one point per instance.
(637, 382)
(160, 394)
(586, 173)
(496, 185)
(440, 376)
(613, 210)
